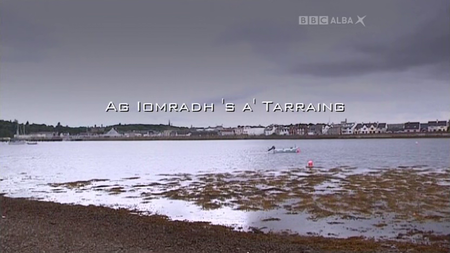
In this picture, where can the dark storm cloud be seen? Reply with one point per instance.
(417, 35)
(90, 52)
(428, 46)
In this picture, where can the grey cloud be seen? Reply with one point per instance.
(268, 38)
(235, 97)
(23, 40)
(427, 47)
(93, 51)
(401, 41)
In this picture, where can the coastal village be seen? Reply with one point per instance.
(343, 128)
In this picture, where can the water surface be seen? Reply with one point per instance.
(29, 171)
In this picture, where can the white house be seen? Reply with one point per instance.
(112, 133)
(367, 128)
(270, 130)
(395, 128)
(239, 130)
(254, 130)
(316, 129)
(412, 127)
(152, 133)
(282, 130)
(325, 129)
(226, 131)
(347, 127)
(133, 134)
(167, 133)
(437, 126)
(45, 135)
(381, 128)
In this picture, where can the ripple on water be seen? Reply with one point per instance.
(343, 196)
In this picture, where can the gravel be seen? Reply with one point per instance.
(35, 226)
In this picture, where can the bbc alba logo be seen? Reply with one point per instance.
(326, 20)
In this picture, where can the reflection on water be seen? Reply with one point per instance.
(375, 188)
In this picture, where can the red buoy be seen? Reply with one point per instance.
(310, 164)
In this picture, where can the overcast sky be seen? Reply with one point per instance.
(64, 61)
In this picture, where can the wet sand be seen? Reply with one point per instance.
(34, 226)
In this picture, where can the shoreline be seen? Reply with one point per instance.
(263, 137)
(31, 225)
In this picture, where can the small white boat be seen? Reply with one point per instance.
(284, 150)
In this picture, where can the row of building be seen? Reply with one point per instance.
(343, 128)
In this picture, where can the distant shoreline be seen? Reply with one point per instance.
(262, 137)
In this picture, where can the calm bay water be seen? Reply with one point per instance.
(26, 170)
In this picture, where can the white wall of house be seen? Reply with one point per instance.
(151, 134)
(348, 129)
(368, 129)
(254, 130)
(166, 132)
(437, 128)
(269, 130)
(325, 129)
(382, 129)
(44, 135)
(239, 130)
(363, 130)
(27, 136)
(112, 133)
(133, 134)
(282, 131)
(227, 132)
(182, 134)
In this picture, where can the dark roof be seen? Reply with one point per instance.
(348, 125)
(226, 130)
(412, 125)
(317, 127)
(301, 125)
(359, 126)
(437, 123)
(382, 125)
(396, 125)
(369, 124)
